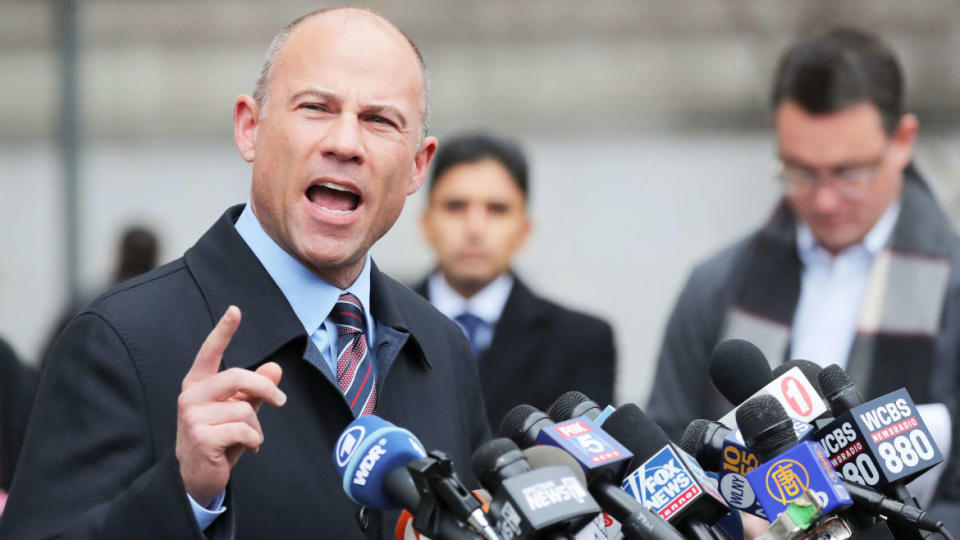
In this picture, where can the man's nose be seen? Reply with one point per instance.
(825, 196)
(476, 220)
(342, 140)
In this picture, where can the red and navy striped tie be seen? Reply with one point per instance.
(355, 373)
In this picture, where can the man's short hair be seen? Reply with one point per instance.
(474, 147)
(841, 68)
(261, 90)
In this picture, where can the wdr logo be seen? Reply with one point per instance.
(347, 444)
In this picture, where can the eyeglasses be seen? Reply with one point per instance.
(849, 182)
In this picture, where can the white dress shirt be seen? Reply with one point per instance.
(831, 292)
(487, 304)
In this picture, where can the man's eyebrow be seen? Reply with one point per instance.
(326, 95)
(382, 108)
(316, 93)
(787, 159)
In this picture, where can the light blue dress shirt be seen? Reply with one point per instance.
(312, 300)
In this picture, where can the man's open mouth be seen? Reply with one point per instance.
(333, 197)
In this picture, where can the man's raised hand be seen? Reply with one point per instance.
(217, 412)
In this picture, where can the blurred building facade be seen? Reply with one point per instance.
(644, 119)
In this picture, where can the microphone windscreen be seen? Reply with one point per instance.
(637, 432)
(549, 456)
(832, 379)
(764, 415)
(513, 423)
(563, 408)
(811, 370)
(692, 437)
(738, 369)
(486, 460)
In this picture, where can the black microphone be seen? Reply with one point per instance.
(738, 370)
(788, 465)
(663, 479)
(603, 460)
(572, 405)
(603, 527)
(703, 440)
(881, 444)
(547, 502)
(838, 389)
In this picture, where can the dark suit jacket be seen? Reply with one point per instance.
(99, 459)
(18, 385)
(541, 350)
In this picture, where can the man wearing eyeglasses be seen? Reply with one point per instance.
(857, 266)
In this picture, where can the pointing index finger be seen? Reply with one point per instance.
(207, 361)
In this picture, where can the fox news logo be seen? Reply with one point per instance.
(663, 484)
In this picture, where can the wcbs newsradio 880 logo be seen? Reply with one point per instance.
(896, 436)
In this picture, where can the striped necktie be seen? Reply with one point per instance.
(355, 372)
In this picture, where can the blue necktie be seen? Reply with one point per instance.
(471, 325)
(355, 373)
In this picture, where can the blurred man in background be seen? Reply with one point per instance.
(137, 253)
(529, 349)
(858, 265)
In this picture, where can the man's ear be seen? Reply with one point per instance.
(246, 119)
(903, 139)
(421, 163)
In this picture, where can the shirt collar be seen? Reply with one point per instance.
(311, 298)
(486, 304)
(872, 243)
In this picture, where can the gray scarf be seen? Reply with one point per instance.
(900, 315)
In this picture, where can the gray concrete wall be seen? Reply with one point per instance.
(644, 120)
(619, 221)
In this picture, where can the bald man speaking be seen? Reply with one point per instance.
(204, 399)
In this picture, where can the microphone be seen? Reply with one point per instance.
(738, 369)
(664, 478)
(706, 440)
(723, 451)
(879, 443)
(882, 444)
(573, 404)
(602, 460)
(788, 465)
(404, 529)
(385, 467)
(531, 503)
(603, 528)
(733, 367)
